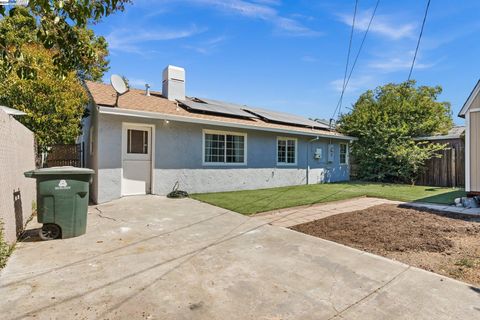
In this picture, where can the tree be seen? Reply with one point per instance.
(386, 120)
(62, 26)
(46, 50)
(54, 106)
(20, 27)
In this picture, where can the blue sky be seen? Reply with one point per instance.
(290, 55)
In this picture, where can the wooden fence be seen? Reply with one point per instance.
(65, 155)
(446, 171)
(449, 170)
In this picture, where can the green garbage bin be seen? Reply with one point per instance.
(62, 200)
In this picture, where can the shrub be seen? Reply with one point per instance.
(5, 248)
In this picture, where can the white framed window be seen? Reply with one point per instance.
(137, 141)
(286, 151)
(343, 153)
(224, 148)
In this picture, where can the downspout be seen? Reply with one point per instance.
(308, 157)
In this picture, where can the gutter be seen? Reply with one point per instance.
(162, 116)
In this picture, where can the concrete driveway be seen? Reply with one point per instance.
(156, 258)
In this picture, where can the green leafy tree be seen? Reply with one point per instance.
(54, 106)
(386, 120)
(46, 49)
(62, 27)
(21, 28)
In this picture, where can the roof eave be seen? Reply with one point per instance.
(466, 105)
(163, 116)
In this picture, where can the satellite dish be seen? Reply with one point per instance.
(119, 85)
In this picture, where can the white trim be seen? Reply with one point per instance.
(347, 153)
(467, 152)
(161, 116)
(286, 164)
(474, 110)
(152, 156)
(470, 99)
(225, 133)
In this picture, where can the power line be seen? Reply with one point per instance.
(348, 57)
(340, 101)
(419, 38)
(349, 46)
(360, 48)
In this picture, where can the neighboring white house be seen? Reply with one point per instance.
(149, 142)
(471, 113)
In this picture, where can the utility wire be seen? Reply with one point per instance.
(349, 46)
(348, 58)
(419, 38)
(360, 48)
(340, 101)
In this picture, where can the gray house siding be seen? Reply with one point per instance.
(90, 139)
(178, 158)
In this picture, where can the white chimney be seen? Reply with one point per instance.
(173, 87)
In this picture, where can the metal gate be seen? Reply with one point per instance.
(65, 155)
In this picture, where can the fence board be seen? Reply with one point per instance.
(449, 169)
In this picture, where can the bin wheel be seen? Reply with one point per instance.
(49, 231)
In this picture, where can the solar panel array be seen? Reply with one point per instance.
(227, 108)
(219, 109)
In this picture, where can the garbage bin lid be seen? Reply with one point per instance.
(59, 170)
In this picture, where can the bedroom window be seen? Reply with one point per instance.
(343, 153)
(224, 147)
(286, 151)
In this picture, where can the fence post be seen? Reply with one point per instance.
(454, 168)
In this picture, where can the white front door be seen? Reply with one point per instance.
(136, 159)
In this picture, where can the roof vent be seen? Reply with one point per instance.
(173, 87)
(147, 89)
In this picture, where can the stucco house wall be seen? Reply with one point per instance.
(178, 158)
(17, 193)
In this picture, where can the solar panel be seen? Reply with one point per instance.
(222, 103)
(286, 118)
(270, 115)
(220, 109)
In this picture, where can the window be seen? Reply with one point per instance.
(286, 151)
(137, 141)
(343, 153)
(220, 147)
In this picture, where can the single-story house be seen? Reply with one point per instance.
(471, 112)
(145, 142)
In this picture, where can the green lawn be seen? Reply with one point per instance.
(254, 201)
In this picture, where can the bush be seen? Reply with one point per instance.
(5, 248)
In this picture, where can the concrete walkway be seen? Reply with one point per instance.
(439, 207)
(157, 258)
(292, 216)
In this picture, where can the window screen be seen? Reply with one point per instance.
(286, 151)
(224, 148)
(137, 141)
(343, 153)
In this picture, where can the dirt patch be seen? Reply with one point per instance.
(444, 243)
